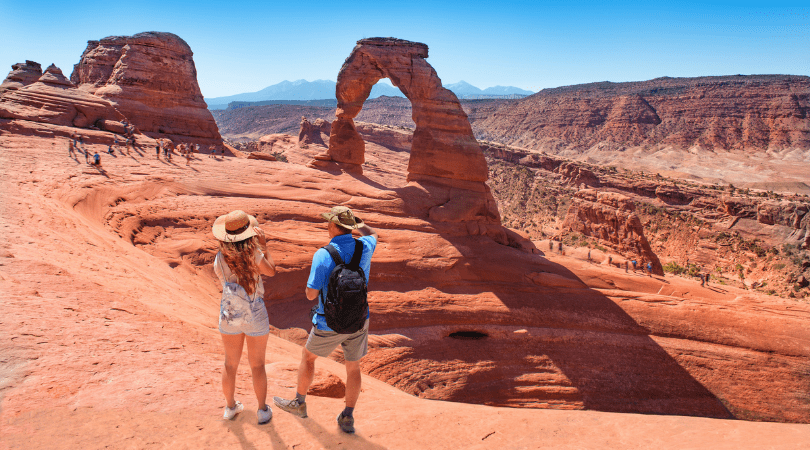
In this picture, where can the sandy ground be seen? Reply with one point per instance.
(103, 345)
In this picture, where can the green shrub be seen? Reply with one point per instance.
(674, 268)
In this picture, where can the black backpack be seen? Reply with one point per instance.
(345, 304)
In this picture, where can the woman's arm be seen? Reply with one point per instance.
(267, 266)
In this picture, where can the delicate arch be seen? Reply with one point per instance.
(443, 142)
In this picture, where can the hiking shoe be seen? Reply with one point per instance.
(264, 415)
(230, 413)
(291, 406)
(346, 423)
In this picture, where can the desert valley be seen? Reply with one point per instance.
(512, 305)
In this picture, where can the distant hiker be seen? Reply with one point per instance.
(550, 245)
(96, 160)
(626, 266)
(239, 264)
(71, 147)
(610, 260)
(707, 277)
(559, 247)
(110, 149)
(157, 148)
(87, 156)
(589, 255)
(702, 280)
(338, 279)
(634, 262)
(188, 158)
(649, 268)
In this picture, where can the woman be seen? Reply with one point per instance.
(239, 264)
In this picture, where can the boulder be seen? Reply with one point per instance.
(151, 79)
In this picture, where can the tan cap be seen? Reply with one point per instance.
(343, 217)
(235, 226)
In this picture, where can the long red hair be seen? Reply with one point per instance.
(241, 259)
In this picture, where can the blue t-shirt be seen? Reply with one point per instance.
(322, 266)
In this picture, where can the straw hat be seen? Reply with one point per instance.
(235, 226)
(343, 217)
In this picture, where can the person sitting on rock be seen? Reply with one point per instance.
(241, 261)
(323, 339)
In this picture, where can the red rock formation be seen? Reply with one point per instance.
(22, 74)
(446, 169)
(311, 133)
(611, 218)
(443, 144)
(709, 112)
(54, 99)
(151, 78)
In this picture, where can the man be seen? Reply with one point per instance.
(322, 340)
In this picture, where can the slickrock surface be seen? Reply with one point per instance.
(54, 99)
(151, 79)
(110, 306)
(611, 218)
(22, 74)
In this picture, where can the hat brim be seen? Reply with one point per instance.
(334, 219)
(222, 234)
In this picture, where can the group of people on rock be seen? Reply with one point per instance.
(166, 146)
(338, 280)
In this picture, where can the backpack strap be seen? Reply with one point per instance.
(358, 254)
(334, 254)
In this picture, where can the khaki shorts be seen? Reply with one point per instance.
(355, 345)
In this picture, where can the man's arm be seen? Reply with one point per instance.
(366, 230)
(312, 294)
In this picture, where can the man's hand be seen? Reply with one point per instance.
(366, 230)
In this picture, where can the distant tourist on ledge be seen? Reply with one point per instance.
(241, 261)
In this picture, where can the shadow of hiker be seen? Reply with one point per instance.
(237, 425)
(338, 438)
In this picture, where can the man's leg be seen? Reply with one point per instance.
(306, 371)
(353, 383)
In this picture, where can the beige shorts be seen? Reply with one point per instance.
(355, 345)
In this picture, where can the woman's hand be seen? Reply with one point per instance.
(262, 239)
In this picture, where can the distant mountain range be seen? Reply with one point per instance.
(303, 90)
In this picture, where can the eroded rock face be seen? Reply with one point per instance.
(21, 75)
(610, 217)
(151, 78)
(310, 133)
(55, 100)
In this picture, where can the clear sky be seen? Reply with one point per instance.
(245, 46)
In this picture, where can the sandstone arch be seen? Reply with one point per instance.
(443, 142)
(446, 164)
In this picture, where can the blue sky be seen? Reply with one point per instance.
(244, 46)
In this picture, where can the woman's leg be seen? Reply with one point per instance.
(257, 347)
(233, 353)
